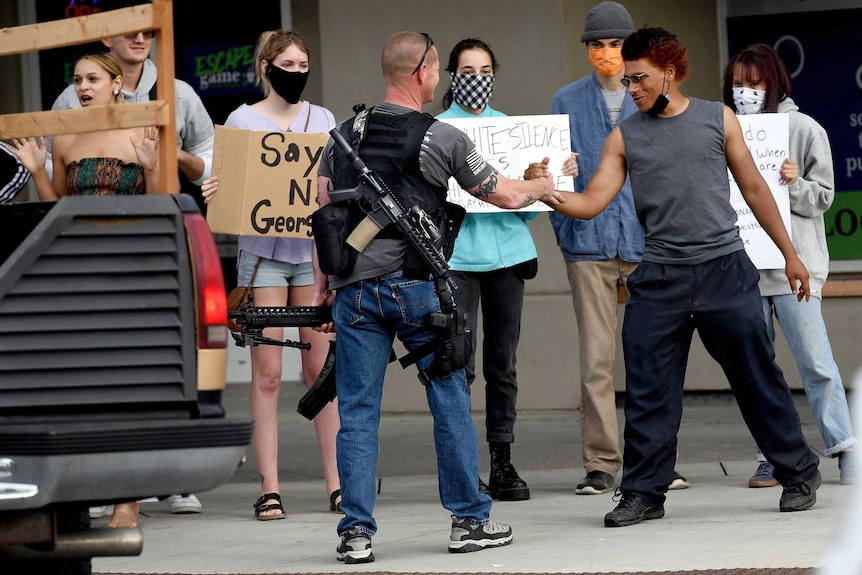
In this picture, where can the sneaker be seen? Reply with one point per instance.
(469, 535)
(800, 496)
(594, 483)
(679, 481)
(763, 476)
(185, 503)
(631, 510)
(100, 511)
(847, 467)
(355, 547)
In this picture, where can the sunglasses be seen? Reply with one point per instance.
(425, 53)
(148, 35)
(636, 78)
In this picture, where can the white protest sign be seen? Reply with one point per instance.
(511, 144)
(767, 137)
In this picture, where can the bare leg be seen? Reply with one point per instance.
(125, 515)
(263, 403)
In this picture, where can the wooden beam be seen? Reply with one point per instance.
(163, 18)
(79, 30)
(95, 119)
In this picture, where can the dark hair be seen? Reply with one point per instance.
(455, 55)
(658, 46)
(758, 62)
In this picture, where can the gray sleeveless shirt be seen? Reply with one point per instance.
(678, 170)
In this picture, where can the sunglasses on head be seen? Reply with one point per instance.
(636, 78)
(425, 53)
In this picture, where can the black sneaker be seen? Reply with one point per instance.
(355, 547)
(800, 496)
(469, 535)
(594, 483)
(631, 510)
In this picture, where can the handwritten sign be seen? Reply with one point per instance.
(511, 144)
(267, 182)
(767, 137)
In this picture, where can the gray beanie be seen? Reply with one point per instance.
(607, 20)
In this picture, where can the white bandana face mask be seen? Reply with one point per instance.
(748, 101)
(472, 90)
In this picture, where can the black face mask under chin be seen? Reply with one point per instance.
(660, 103)
(288, 85)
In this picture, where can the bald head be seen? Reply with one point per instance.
(403, 51)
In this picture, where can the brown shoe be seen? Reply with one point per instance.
(763, 476)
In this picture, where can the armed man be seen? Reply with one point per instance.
(390, 289)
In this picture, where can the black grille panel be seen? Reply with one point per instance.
(99, 298)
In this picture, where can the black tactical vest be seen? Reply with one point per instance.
(390, 146)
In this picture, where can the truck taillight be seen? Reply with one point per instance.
(209, 283)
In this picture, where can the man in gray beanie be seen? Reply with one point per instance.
(602, 252)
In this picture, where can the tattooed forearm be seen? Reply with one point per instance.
(528, 201)
(488, 187)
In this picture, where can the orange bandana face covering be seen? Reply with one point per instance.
(607, 61)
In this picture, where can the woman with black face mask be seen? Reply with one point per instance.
(282, 268)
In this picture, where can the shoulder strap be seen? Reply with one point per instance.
(153, 93)
(254, 273)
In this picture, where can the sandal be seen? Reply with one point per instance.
(260, 506)
(333, 504)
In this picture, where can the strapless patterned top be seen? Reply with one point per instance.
(104, 177)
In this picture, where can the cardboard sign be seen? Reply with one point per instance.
(511, 144)
(267, 182)
(768, 138)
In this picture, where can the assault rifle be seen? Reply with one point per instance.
(382, 208)
(253, 319)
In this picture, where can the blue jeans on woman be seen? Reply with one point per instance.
(368, 315)
(805, 331)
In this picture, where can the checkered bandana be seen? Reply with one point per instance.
(472, 90)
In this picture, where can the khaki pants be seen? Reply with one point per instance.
(595, 289)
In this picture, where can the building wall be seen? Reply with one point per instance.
(537, 44)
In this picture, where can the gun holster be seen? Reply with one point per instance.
(323, 390)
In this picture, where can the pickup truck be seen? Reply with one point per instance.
(113, 360)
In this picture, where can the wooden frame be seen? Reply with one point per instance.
(156, 16)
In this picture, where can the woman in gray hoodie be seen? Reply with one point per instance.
(756, 81)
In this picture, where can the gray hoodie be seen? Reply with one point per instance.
(810, 197)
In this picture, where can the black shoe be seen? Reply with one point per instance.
(504, 483)
(800, 496)
(631, 510)
(483, 487)
(595, 482)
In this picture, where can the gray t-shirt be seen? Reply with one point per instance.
(445, 152)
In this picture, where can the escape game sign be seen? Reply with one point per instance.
(267, 182)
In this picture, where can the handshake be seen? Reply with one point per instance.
(538, 170)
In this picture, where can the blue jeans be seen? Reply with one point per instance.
(803, 328)
(368, 315)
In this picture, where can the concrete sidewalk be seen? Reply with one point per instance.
(718, 523)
